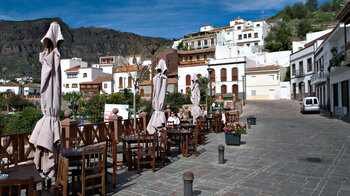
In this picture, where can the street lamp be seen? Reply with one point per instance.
(243, 90)
(152, 48)
(210, 70)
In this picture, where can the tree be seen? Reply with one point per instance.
(203, 86)
(304, 27)
(95, 107)
(284, 35)
(287, 76)
(326, 7)
(311, 4)
(176, 99)
(27, 119)
(138, 73)
(15, 102)
(76, 97)
(116, 98)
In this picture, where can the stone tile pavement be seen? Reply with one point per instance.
(286, 153)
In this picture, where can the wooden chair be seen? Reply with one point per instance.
(202, 127)
(193, 142)
(9, 159)
(93, 167)
(162, 148)
(218, 123)
(146, 147)
(61, 180)
(14, 187)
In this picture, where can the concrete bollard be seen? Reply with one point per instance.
(188, 183)
(249, 125)
(221, 149)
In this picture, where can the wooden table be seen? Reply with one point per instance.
(211, 123)
(23, 172)
(187, 126)
(130, 139)
(181, 133)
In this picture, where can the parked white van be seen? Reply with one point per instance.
(310, 104)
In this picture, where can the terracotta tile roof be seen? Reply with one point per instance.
(207, 25)
(128, 68)
(99, 80)
(220, 28)
(247, 29)
(196, 51)
(240, 44)
(10, 84)
(238, 19)
(146, 82)
(133, 55)
(323, 37)
(32, 85)
(75, 68)
(269, 67)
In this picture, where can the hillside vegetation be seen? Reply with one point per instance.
(293, 22)
(20, 44)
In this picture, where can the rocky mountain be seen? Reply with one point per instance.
(20, 44)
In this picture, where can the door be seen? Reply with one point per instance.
(271, 94)
(284, 92)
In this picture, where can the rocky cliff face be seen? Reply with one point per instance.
(20, 44)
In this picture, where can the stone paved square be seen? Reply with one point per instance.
(286, 153)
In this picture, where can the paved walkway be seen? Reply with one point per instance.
(286, 153)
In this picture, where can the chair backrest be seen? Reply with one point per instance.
(14, 186)
(9, 159)
(146, 141)
(94, 158)
(201, 123)
(62, 174)
(172, 125)
(130, 131)
(232, 117)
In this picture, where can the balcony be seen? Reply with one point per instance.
(319, 77)
(185, 62)
(299, 73)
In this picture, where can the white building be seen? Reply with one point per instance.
(13, 87)
(111, 63)
(101, 85)
(302, 68)
(123, 77)
(31, 89)
(332, 74)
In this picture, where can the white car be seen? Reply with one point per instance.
(310, 104)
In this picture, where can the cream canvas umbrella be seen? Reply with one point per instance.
(46, 135)
(158, 119)
(195, 98)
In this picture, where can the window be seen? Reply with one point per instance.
(255, 44)
(223, 89)
(191, 58)
(239, 27)
(308, 101)
(235, 90)
(120, 82)
(249, 35)
(223, 74)
(84, 75)
(315, 101)
(301, 66)
(255, 35)
(74, 85)
(205, 42)
(253, 78)
(254, 93)
(212, 42)
(293, 69)
(271, 77)
(245, 36)
(105, 86)
(199, 43)
(258, 25)
(345, 93)
(239, 37)
(72, 76)
(67, 85)
(248, 45)
(188, 80)
(309, 64)
(212, 76)
(205, 57)
(322, 63)
(335, 94)
(234, 74)
(142, 92)
(198, 57)
(192, 44)
(199, 76)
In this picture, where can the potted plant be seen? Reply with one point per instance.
(251, 119)
(233, 133)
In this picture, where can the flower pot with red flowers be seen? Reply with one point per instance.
(233, 132)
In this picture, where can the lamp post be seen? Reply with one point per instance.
(152, 48)
(210, 70)
(243, 90)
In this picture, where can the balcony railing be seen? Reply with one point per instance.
(338, 60)
(299, 73)
(318, 75)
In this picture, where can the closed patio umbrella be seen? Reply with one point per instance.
(46, 135)
(195, 98)
(160, 81)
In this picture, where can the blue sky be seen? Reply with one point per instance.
(156, 18)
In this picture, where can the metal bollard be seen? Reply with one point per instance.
(221, 149)
(249, 125)
(188, 183)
